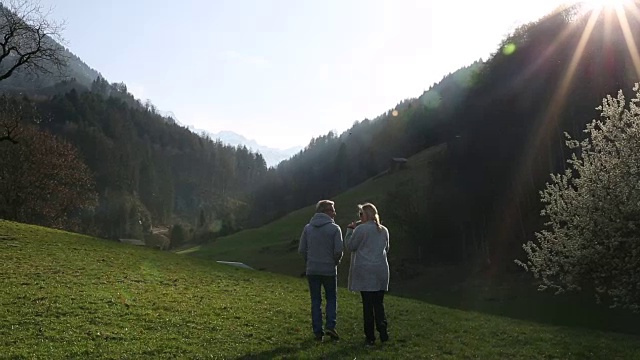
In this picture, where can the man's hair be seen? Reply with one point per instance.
(324, 205)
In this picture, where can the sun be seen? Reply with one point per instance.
(604, 4)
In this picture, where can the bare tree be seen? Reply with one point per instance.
(27, 42)
(14, 114)
(28, 39)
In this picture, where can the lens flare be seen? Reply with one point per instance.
(509, 49)
(604, 4)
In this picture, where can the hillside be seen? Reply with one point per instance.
(477, 286)
(503, 121)
(144, 169)
(76, 69)
(273, 247)
(71, 296)
(332, 163)
(34, 55)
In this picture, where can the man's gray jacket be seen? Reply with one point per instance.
(321, 245)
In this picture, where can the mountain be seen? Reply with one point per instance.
(272, 156)
(76, 70)
(503, 122)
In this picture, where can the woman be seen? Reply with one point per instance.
(369, 270)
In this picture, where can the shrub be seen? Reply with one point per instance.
(592, 237)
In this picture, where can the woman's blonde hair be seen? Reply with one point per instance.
(372, 213)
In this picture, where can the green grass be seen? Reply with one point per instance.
(273, 248)
(74, 297)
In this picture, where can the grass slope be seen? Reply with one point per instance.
(273, 247)
(70, 296)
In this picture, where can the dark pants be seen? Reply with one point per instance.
(330, 284)
(373, 313)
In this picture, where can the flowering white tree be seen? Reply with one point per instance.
(592, 238)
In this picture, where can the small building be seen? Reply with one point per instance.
(397, 164)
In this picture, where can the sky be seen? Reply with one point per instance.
(284, 71)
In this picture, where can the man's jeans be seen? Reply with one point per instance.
(330, 284)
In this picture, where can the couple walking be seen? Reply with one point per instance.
(321, 246)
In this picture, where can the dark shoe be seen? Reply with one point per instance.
(369, 343)
(333, 334)
(384, 337)
(318, 337)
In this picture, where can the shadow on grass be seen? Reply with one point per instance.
(354, 351)
(515, 297)
(282, 351)
(330, 350)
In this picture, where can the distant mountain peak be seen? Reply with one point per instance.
(236, 139)
(272, 156)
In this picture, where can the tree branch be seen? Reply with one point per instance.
(29, 39)
(8, 138)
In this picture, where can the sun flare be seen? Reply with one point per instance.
(604, 4)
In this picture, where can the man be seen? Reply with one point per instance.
(321, 247)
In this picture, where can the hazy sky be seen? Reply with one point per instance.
(283, 71)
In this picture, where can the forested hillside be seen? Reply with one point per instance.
(84, 154)
(547, 79)
(333, 163)
(503, 121)
(140, 158)
(32, 51)
(147, 170)
(75, 69)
